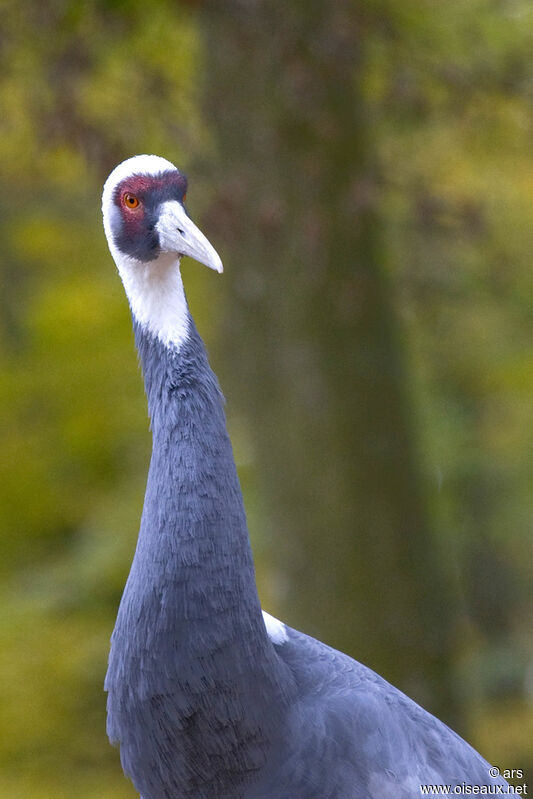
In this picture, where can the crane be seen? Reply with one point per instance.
(208, 696)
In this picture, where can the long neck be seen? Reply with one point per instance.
(193, 547)
(193, 539)
(190, 637)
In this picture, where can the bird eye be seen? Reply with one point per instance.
(131, 200)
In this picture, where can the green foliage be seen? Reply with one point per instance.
(456, 157)
(450, 92)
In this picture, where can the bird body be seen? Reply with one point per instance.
(207, 695)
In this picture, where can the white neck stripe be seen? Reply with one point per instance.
(156, 296)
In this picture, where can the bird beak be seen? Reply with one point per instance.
(177, 233)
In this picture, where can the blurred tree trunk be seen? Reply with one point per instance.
(312, 341)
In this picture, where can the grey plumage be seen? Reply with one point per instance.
(202, 701)
(190, 619)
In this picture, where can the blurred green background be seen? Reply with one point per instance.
(365, 169)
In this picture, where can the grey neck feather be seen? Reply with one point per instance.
(190, 660)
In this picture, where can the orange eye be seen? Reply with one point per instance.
(131, 200)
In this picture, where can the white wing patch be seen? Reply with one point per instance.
(276, 630)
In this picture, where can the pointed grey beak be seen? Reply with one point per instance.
(177, 233)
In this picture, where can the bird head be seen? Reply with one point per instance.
(148, 231)
(145, 219)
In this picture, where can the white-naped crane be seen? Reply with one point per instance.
(208, 696)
